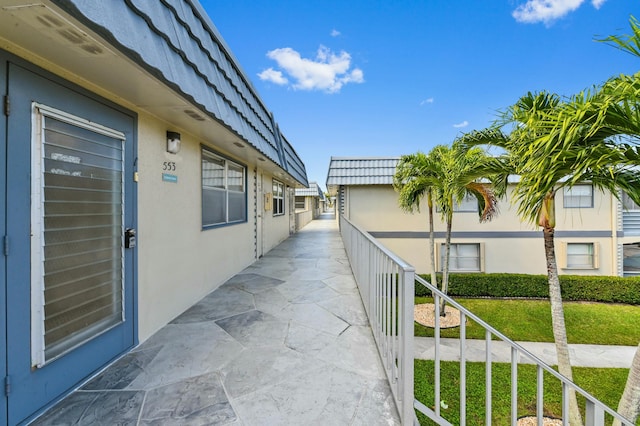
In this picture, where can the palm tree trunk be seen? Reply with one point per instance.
(629, 405)
(445, 267)
(557, 319)
(432, 254)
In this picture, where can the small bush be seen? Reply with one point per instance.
(574, 287)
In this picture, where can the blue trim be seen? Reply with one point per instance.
(3, 232)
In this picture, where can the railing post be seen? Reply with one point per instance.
(407, 300)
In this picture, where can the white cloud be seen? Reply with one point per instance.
(465, 123)
(336, 33)
(426, 101)
(273, 76)
(548, 10)
(328, 72)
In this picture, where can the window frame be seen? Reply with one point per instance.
(207, 151)
(567, 196)
(303, 199)
(480, 257)
(469, 204)
(594, 253)
(279, 208)
(41, 352)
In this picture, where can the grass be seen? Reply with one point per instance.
(530, 321)
(606, 384)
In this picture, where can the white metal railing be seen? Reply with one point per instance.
(594, 409)
(386, 284)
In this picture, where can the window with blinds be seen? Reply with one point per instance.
(78, 229)
(224, 192)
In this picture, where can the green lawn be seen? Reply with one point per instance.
(606, 384)
(530, 320)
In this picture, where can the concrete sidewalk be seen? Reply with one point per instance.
(581, 355)
(284, 342)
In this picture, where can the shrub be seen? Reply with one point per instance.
(574, 287)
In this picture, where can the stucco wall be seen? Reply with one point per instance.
(508, 243)
(303, 217)
(179, 261)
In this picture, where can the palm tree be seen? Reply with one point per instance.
(444, 177)
(555, 144)
(625, 91)
(416, 178)
(460, 171)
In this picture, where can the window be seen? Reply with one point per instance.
(278, 198)
(462, 257)
(468, 204)
(581, 255)
(77, 222)
(628, 204)
(631, 259)
(578, 196)
(300, 203)
(224, 192)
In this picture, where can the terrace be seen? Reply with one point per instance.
(290, 341)
(286, 341)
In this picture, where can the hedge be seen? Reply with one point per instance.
(573, 287)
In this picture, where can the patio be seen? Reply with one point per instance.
(286, 341)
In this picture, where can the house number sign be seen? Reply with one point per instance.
(169, 166)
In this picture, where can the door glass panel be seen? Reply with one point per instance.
(81, 228)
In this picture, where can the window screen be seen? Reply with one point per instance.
(77, 222)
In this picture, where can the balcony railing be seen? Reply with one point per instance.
(386, 285)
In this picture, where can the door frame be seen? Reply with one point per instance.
(3, 235)
(130, 188)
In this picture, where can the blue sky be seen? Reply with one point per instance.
(371, 78)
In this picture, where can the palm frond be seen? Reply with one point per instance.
(629, 43)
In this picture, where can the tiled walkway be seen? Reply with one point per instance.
(285, 342)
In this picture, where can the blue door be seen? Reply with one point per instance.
(70, 199)
(3, 232)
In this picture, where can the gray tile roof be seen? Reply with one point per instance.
(175, 41)
(361, 171)
(312, 191)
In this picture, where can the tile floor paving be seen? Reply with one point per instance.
(284, 342)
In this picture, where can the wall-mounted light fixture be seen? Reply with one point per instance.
(173, 142)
